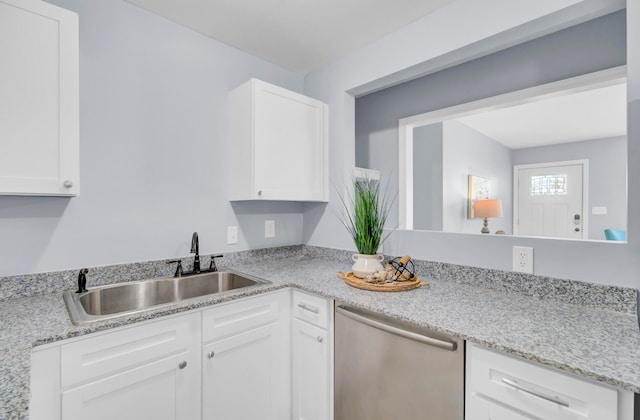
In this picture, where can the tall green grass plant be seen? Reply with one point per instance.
(365, 213)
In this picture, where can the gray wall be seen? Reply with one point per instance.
(595, 45)
(427, 177)
(35, 234)
(607, 176)
(469, 152)
(153, 142)
(444, 155)
(461, 35)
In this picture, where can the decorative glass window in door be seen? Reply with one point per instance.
(548, 185)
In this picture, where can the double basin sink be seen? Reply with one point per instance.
(121, 299)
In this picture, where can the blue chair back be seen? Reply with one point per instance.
(615, 235)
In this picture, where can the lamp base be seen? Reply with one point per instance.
(485, 227)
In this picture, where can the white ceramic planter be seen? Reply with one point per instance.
(366, 265)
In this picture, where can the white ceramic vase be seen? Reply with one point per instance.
(366, 265)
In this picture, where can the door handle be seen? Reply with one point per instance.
(451, 346)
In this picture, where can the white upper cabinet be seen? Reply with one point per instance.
(278, 144)
(39, 123)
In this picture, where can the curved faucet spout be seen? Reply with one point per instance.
(195, 248)
(195, 245)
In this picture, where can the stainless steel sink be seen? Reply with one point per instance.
(120, 299)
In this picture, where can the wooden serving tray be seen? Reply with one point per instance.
(396, 286)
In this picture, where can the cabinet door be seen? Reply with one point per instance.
(290, 145)
(310, 372)
(160, 390)
(242, 378)
(39, 147)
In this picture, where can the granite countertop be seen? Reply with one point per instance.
(599, 344)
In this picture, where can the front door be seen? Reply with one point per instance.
(550, 200)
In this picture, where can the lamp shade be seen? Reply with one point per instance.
(487, 209)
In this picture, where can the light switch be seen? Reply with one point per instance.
(269, 228)
(232, 235)
(598, 210)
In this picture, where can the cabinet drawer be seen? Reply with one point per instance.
(535, 390)
(311, 308)
(127, 348)
(244, 315)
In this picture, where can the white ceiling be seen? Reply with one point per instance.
(298, 35)
(588, 115)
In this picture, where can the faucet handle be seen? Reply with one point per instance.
(212, 263)
(178, 272)
(82, 280)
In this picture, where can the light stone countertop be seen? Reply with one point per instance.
(599, 344)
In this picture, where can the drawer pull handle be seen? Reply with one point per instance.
(320, 339)
(210, 354)
(519, 387)
(182, 364)
(309, 308)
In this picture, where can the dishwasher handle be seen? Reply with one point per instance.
(447, 345)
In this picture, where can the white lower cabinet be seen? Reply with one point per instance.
(310, 372)
(157, 390)
(136, 372)
(232, 361)
(312, 332)
(246, 372)
(502, 387)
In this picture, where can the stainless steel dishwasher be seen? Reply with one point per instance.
(387, 369)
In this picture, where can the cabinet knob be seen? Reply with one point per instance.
(210, 354)
(183, 364)
(67, 184)
(320, 339)
(260, 192)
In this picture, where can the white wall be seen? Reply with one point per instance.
(153, 133)
(465, 29)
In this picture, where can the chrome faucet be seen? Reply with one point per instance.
(195, 248)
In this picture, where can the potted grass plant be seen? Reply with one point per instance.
(364, 214)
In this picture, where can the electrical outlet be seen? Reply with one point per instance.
(232, 235)
(598, 210)
(523, 259)
(269, 228)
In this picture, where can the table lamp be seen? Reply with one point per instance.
(487, 209)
